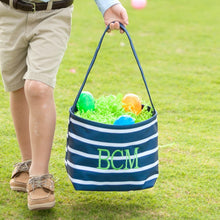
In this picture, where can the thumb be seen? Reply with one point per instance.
(124, 17)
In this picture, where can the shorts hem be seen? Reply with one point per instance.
(15, 87)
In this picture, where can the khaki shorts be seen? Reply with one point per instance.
(32, 44)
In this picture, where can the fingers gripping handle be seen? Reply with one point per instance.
(94, 58)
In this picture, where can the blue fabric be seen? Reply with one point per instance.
(102, 157)
(136, 172)
(103, 5)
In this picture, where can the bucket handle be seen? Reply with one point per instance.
(94, 58)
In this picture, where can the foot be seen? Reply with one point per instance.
(41, 192)
(20, 176)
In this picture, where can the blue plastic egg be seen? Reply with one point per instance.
(124, 120)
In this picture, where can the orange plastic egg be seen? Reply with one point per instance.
(132, 103)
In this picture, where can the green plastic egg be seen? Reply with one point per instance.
(86, 102)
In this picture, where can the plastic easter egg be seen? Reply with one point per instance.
(86, 102)
(132, 103)
(138, 4)
(124, 120)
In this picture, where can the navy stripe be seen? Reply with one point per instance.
(102, 186)
(109, 137)
(91, 149)
(149, 184)
(111, 177)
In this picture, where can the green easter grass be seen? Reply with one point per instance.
(109, 108)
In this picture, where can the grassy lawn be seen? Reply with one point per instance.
(178, 44)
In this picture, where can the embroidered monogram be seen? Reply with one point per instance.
(107, 161)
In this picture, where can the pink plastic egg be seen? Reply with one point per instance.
(138, 4)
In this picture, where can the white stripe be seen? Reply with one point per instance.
(116, 131)
(107, 144)
(93, 156)
(92, 169)
(83, 182)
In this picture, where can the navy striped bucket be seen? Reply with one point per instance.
(103, 157)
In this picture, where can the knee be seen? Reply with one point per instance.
(37, 90)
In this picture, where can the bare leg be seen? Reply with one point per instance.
(42, 120)
(20, 115)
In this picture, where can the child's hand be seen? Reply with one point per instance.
(117, 13)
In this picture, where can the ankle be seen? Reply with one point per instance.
(34, 174)
(26, 159)
(38, 170)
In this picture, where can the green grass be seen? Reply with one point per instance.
(178, 44)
